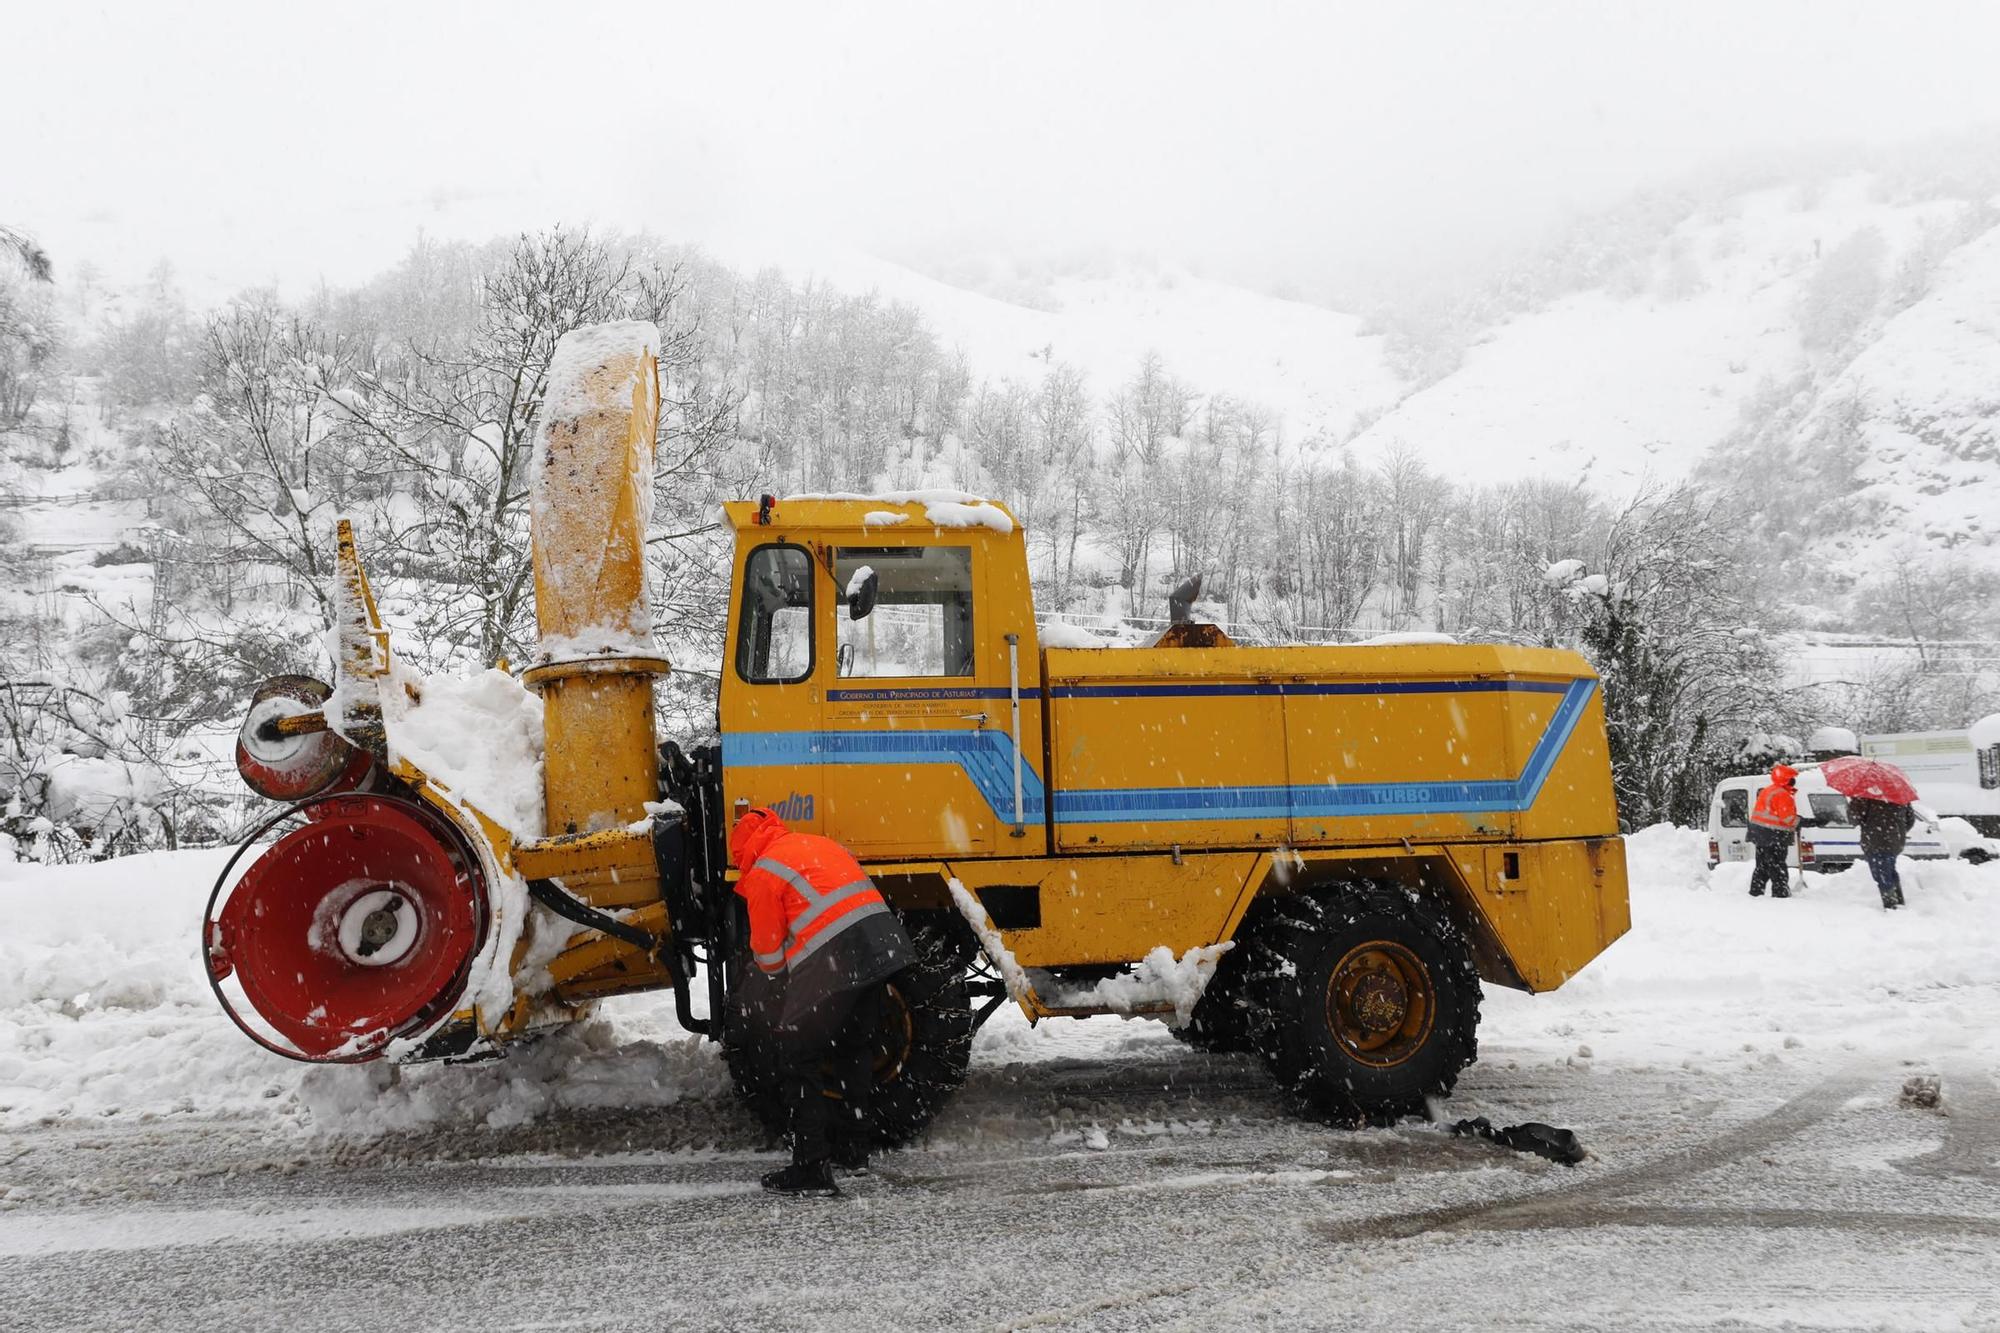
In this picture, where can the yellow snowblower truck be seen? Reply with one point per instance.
(1313, 853)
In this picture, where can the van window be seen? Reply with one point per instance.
(774, 638)
(1828, 807)
(921, 624)
(1735, 808)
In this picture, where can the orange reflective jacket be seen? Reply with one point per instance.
(1776, 806)
(802, 890)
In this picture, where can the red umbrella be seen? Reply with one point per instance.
(1853, 776)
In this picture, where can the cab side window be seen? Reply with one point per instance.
(1736, 809)
(774, 636)
(921, 620)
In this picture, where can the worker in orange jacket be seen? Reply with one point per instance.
(1774, 819)
(820, 928)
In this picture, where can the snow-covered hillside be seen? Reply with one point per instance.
(1636, 379)
(1315, 366)
(1738, 324)
(1922, 402)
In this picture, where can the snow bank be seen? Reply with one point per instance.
(1985, 733)
(593, 1065)
(1710, 974)
(104, 1011)
(105, 1014)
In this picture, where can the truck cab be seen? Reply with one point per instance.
(883, 684)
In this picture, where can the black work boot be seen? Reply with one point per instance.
(850, 1158)
(811, 1179)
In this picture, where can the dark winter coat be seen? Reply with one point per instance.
(1883, 824)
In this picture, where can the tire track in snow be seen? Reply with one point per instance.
(1556, 1208)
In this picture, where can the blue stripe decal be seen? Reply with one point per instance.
(1322, 687)
(987, 759)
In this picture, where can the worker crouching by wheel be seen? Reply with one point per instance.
(820, 929)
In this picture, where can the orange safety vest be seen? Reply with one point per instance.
(1776, 808)
(802, 890)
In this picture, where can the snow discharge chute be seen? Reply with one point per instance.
(388, 910)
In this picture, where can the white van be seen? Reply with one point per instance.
(1827, 841)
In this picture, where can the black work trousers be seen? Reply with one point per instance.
(829, 1048)
(1771, 869)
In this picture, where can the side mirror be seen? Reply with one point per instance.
(861, 590)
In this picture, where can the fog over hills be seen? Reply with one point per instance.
(1837, 326)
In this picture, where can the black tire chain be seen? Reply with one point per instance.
(935, 989)
(1282, 945)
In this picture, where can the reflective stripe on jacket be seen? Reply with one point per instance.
(1776, 808)
(802, 891)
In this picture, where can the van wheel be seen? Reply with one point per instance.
(921, 1054)
(1363, 1000)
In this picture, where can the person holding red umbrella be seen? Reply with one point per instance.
(1879, 797)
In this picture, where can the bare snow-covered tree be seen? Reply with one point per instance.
(1686, 674)
(1152, 408)
(28, 253)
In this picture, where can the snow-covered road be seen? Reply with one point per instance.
(1735, 1067)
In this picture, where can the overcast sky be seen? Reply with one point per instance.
(290, 143)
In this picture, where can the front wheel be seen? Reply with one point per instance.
(921, 1052)
(1364, 1001)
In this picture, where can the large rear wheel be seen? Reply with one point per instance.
(921, 1053)
(1364, 1001)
